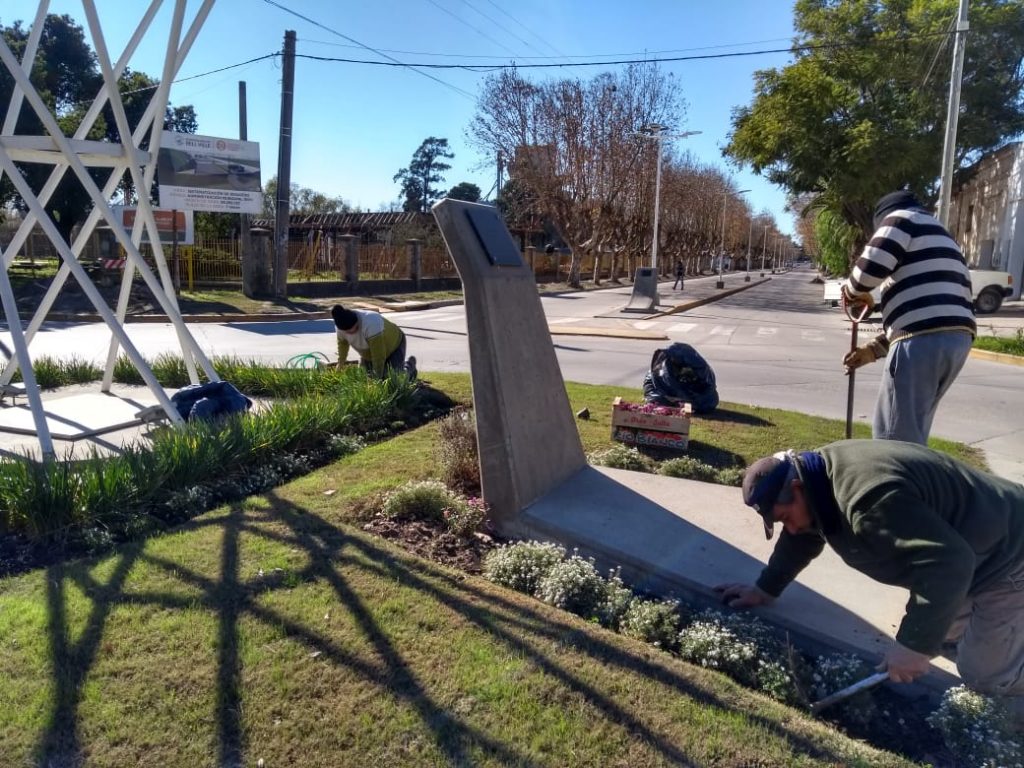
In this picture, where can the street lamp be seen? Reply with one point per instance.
(750, 236)
(764, 245)
(721, 255)
(656, 131)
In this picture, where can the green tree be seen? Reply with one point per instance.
(302, 200)
(465, 190)
(426, 170)
(861, 109)
(67, 76)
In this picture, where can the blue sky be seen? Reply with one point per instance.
(356, 125)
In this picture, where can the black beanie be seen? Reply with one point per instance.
(895, 201)
(344, 319)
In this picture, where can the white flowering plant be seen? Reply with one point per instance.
(742, 647)
(622, 457)
(828, 674)
(616, 601)
(573, 585)
(419, 500)
(976, 729)
(522, 565)
(653, 621)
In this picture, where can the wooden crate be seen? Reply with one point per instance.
(665, 428)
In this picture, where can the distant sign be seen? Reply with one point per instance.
(204, 173)
(164, 223)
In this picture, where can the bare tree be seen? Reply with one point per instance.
(575, 147)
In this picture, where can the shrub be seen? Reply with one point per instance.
(522, 565)
(653, 621)
(573, 585)
(832, 673)
(976, 729)
(419, 500)
(689, 468)
(465, 516)
(457, 451)
(742, 647)
(616, 601)
(622, 457)
(731, 476)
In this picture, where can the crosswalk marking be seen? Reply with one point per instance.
(681, 327)
(812, 336)
(564, 320)
(643, 325)
(723, 330)
(447, 318)
(767, 331)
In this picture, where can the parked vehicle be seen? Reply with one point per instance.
(988, 289)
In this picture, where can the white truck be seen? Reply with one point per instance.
(988, 289)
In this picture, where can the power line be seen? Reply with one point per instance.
(471, 26)
(605, 63)
(500, 26)
(391, 59)
(530, 31)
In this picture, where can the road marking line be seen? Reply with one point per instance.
(681, 327)
(812, 336)
(643, 325)
(447, 318)
(564, 320)
(723, 330)
(767, 331)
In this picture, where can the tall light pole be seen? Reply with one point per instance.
(721, 254)
(750, 236)
(952, 115)
(657, 132)
(764, 245)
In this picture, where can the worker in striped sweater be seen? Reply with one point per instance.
(927, 315)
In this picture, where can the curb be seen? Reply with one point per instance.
(617, 333)
(265, 317)
(710, 299)
(997, 357)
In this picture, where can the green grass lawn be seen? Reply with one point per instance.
(277, 630)
(1007, 345)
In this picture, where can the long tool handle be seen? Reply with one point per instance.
(861, 685)
(850, 385)
(855, 319)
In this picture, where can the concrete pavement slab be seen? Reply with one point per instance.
(684, 537)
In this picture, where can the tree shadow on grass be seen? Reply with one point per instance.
(724, 415)
(330, 551)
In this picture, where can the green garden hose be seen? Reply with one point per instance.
(309, 360)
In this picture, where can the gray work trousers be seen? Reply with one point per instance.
(918, 371)
(989, 633)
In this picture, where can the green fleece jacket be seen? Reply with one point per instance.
(914, 518)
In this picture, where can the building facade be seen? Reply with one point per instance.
(987, 213)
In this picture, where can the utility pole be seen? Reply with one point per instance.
(750, 236)
(657, 132)
(284, 167)
(244, 236)
(501, 172)
(952, 115)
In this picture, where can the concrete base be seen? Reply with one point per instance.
(683, 537)
(76, 417)
(645, 292)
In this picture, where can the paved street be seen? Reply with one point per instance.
(774, 345)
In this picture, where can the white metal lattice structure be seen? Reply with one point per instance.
(78, 154)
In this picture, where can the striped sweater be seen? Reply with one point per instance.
(924, 280)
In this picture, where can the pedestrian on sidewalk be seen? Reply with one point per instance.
(911, 517)
(927, 315)
(680, 275)
(379, 342)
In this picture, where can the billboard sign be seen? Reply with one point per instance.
(165, 224)
(204, 173)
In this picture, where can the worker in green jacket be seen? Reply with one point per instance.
(379, 342)
(908, 516)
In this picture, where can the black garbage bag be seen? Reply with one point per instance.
(208, 401)
(680, 375)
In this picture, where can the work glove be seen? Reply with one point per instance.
(857, 303)
(863, 355)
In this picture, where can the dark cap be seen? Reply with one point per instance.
(345, 319)
(901, 200)
(767, 481)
